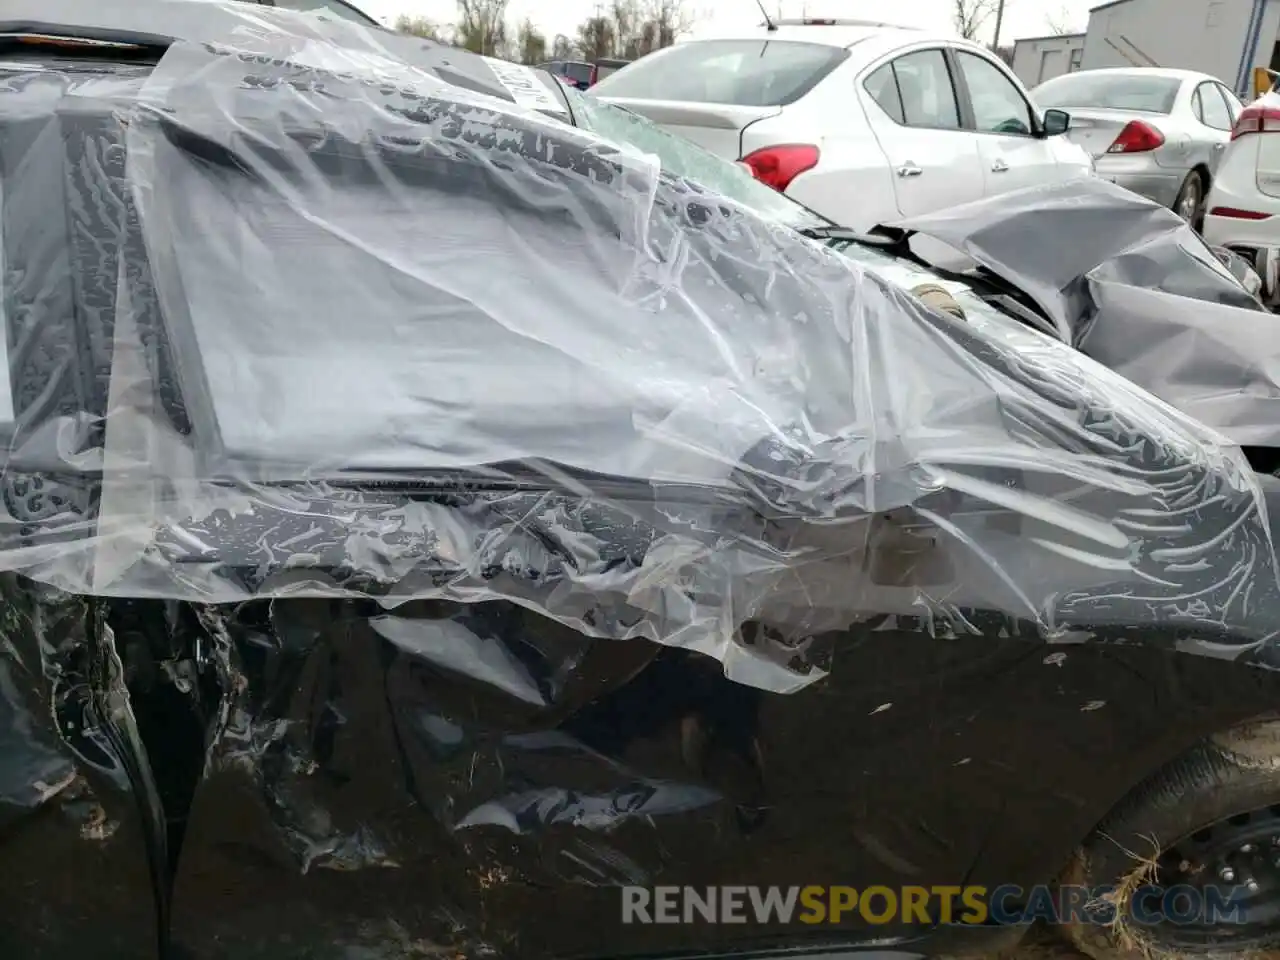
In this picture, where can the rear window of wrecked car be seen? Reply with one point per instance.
(749, 73)
(1109, 92)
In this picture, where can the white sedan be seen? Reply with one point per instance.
(862, 122)
(1157, 132)
(1244, 204)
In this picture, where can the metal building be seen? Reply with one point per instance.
(1037, 59)
(1224, 38)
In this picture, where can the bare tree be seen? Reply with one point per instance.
(562, 48)
(625, 23)
(596, 37)
(482, 26)
(531, 43)
(669, 19)
(1059, 24)
(420, 27)
(969, 16)
(642, 26)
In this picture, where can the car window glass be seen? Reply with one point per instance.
(916, 90)
(1214, 107)
(684, 158)
(998, 106)
(1234, 106)
(1197, 104)
(757, 73)
(1108, 90)
(883, 87)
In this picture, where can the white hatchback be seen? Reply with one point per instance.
(1244, 203)
(862, 122)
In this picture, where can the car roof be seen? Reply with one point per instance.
(160, 22)
(845, 34)
(868, 40)
(1168, 72)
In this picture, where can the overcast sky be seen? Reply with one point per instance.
(1022, 18)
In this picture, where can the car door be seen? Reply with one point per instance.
(1213, 113)
(914, 113)
(1013, 153)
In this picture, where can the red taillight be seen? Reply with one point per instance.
(1137, 137)
(41, 40)
(1235, 213)
(594, 77)
(1257, 119)
(778, 166)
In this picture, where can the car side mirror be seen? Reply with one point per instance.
(1056, 122)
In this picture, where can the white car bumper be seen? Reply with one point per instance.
(1258, 241)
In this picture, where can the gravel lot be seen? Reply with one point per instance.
(1045, 945)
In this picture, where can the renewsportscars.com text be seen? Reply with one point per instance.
(968, 905)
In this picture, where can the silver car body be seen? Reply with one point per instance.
(1195, 126)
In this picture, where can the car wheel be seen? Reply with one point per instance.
(1208, 820)
(1190, 199)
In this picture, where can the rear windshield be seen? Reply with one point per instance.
(1109, 91)
(751, 73)
(576, 71)
(685, 158)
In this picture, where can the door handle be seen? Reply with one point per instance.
(999, 166)
(909, 169)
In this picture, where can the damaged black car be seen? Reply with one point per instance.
(433, 530)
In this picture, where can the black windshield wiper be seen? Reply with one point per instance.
(984, 283)
(882, 240)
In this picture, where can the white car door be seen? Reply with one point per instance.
(1013, 153)
(1211, 103)
(912, 108)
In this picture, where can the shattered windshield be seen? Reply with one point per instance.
(686, 159)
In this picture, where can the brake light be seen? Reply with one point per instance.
(1235, 213)
(1137, 137)
(778, 166)
(44, 40)
(1257, 119)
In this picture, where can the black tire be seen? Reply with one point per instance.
(1192, 194)
(1231, 775)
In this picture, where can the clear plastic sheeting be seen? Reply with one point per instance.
(1132, 285)
(422, 518)
(358, 333)
(322, 38)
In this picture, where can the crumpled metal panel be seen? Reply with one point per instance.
(1134, 287)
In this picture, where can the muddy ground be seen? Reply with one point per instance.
(1045, 945)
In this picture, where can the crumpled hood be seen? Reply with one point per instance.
(1131, 285)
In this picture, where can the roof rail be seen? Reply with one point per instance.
(835, 22)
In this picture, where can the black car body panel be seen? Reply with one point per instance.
(649, 543)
